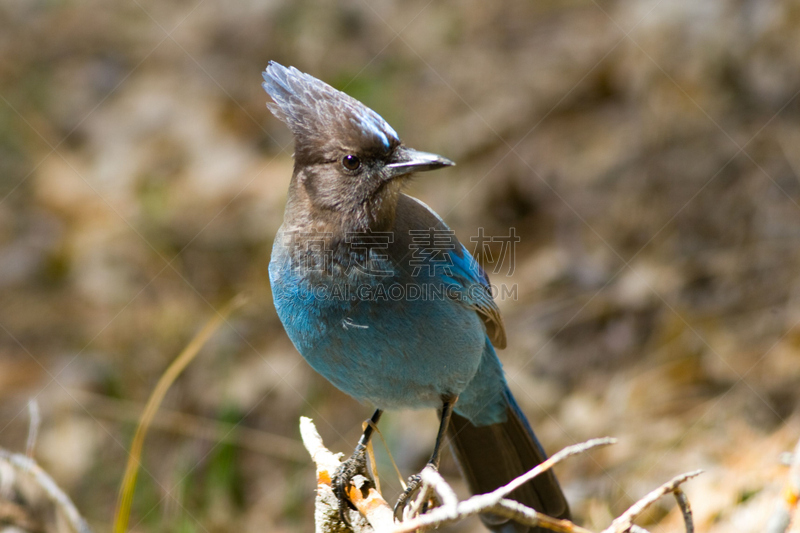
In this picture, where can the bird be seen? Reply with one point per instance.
(379, 296)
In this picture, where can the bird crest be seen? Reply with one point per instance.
(320, 115)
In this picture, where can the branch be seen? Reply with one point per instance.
(377, 514)
(625, 521)
(23, 471)
(373, 512)
(686, 509)
(495, 502)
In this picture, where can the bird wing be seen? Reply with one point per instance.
(476, 293)
(463, 273)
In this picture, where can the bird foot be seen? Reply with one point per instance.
(355, 465)
(412, 487)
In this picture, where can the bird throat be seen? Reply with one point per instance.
(341, 215)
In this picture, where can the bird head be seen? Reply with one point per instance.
(349, 162)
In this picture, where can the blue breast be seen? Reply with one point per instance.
(390, 341)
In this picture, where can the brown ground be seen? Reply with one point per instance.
(645, 151)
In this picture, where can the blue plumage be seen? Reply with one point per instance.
(393, 352)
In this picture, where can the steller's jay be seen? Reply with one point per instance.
(378, 295)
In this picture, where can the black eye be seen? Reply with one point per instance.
(351, 162)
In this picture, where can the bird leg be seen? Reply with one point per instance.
(356, 464)
(415, 481)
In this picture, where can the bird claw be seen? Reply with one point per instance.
(356, 464)
(413, 486)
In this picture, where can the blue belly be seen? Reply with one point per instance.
(380, 347)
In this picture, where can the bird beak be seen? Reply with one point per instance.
(407, 160)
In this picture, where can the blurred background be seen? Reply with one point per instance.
(646, 152)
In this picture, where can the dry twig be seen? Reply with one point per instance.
(495, 502)
(25, 471)
(373, 513)
(33, 427)
(43, 506)
(686, 509)
(377, 514)
(625, 521)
